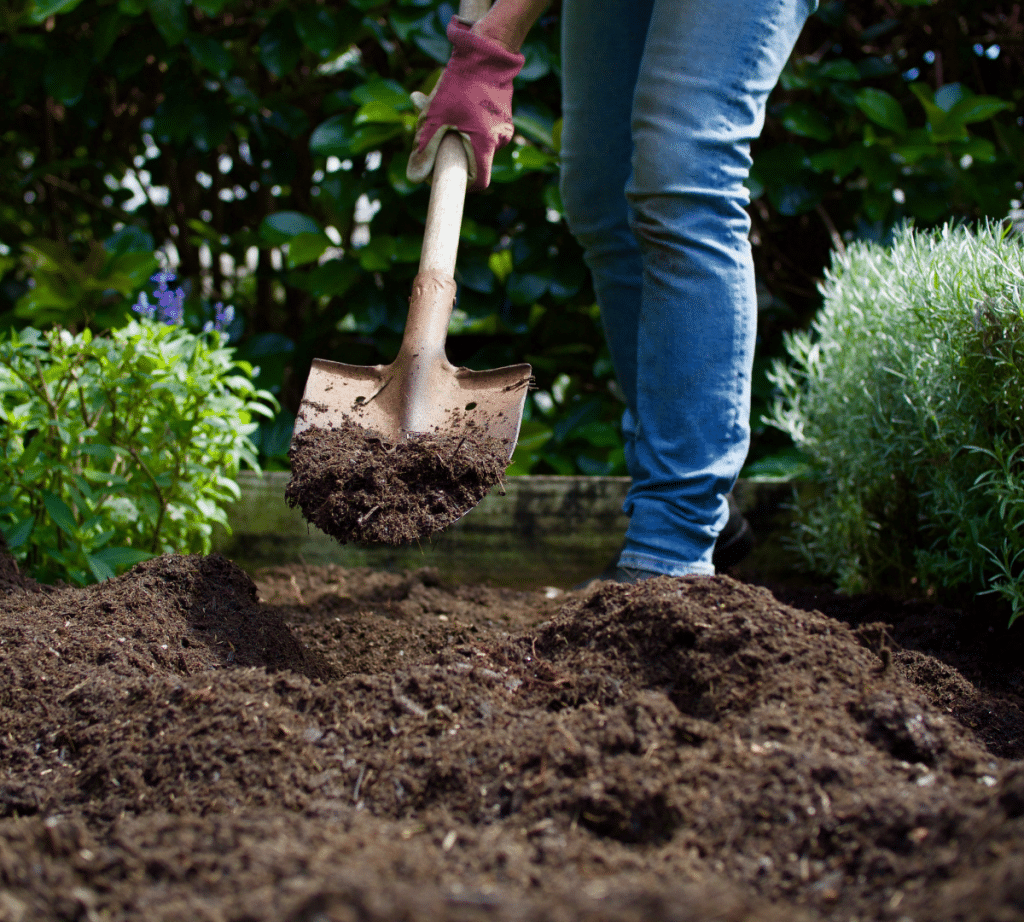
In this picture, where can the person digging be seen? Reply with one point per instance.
(661, 100)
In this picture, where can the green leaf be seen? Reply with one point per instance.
(946, 97)
(388, 92)
(378, 255)
(170, 18)
(842, 69)
(533, 159)
(42, 10)
(535, 125)
(130, 239)
(279, 47)
(840, 161)
(334, 278)
(435, 46)
(941, 127)
(99, 569)
(806, 121)
(66, 78)
(408, 23)
(332, 137)
(882, 108)
(116, 557)
(318, 30)
(60, 513)
(108, 25)
(978, 109)
(306, 248)
(17, 534)
(525, 288)
(783, 467)
(282, 226)
(371, 137)
(379, 113)
(501, 264)
(210, 54)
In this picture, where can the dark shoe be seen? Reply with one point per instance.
(735, 541)
(632, 575)
(613, 573)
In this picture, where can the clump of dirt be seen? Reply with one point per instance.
(385, 747)
(355, 485)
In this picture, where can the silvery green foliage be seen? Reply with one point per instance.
(119, 447)
(907, 394)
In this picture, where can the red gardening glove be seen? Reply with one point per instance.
(473, 97)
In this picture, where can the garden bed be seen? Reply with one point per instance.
(334, 743)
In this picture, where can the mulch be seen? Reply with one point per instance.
(321, 744)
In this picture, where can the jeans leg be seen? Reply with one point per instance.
(700, 99)
(677, 298)
(602, 47)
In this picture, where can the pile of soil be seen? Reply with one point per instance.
(355, 485)
(337, 745)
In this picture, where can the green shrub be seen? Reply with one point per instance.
(117, 448)
(907, 396)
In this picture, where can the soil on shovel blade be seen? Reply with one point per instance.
(325, 744)
(355, 485)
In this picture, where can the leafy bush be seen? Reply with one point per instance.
(907, 395)
(120, 447)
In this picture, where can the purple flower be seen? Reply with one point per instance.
(143, 307)
(171, 301)
(225, 315)
(172, 306)
(222, 318)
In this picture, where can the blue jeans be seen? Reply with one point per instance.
(661, 99)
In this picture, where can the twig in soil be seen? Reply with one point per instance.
(455, 450)
(359, 782)
(406, 704)
(366, 516)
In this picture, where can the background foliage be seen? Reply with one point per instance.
(117, 448)
(907, 395)
(261, 144)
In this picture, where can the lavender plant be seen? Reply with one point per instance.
(907, 395)
(120, 447)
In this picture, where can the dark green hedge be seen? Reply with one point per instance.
(264, 125)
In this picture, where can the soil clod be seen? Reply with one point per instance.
(356, 486)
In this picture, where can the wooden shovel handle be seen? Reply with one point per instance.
(444, 213)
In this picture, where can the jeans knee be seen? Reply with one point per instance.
(691, 189)
(595, 208)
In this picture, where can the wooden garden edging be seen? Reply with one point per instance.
(545, 531)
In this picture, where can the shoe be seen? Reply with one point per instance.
(631, 575)
(734, 542)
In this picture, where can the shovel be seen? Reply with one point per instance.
(421, 392)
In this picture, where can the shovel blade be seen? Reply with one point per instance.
(393, 400)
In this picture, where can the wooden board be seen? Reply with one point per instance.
(545, 531)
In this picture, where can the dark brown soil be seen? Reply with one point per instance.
(354, 485)
(377, 747)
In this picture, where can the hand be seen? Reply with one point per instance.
(473, 97)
